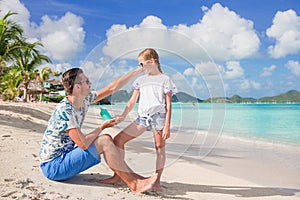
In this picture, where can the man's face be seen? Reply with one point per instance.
(85, 85)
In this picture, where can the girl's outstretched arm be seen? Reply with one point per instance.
(129, 106)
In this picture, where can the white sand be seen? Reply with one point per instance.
(235, 169)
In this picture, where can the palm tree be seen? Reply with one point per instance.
(43, 76)
(57, 74)
(27, 59)
(10, 39)
(11, 80)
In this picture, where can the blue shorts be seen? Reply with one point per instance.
(154, 122)
(71, 163)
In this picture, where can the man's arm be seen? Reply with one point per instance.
(117, 84)
(84, 141)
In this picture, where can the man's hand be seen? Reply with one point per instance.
(108, 124)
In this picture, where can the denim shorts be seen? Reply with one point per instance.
(154, 122)
(71, 163)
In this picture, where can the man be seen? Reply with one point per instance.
(66, 151)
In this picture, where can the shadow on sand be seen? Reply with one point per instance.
(23, 123)
(176, 190)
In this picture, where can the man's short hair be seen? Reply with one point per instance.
(70, 78)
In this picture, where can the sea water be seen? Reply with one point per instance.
(276, 123)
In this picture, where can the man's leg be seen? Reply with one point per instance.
(130, 132)
(105, 145)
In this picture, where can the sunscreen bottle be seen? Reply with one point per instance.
(105, 114)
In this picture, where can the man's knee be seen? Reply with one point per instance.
(106, 137)
(103, 141)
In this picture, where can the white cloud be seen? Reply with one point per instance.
(128, 42)
(249, 84)
(190, 72)
(267, 71)
(182, 83)
(294, 67)
(233, 70)
(256, 85)
(245, 85)
(62, 37)
(286, 31)
(22, 17)
(230, 38)
(214, 76)
(208, 70)
(62, 67)
(210, 75)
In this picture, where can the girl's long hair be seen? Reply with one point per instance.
(150, 53)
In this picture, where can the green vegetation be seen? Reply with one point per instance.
(18, 60)
(10, 81)
(55, 99)
(291, 96)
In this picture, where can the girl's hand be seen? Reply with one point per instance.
(119, 118)
(166, 133)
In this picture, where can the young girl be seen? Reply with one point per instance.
(155, 90)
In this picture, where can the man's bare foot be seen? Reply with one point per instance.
(144, 184)
(114, 180)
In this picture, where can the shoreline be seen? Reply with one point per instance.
(272, 136)
(232, 170)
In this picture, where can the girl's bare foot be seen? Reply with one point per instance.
(143, 185)
(114, 180)
(156, 188)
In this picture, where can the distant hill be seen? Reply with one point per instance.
(185, 98)
(290, 96)
(217, 100)
(120, 96)
(123, 96)
(238, 99)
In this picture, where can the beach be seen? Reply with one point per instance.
(233, 169)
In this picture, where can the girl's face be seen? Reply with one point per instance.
(147, 65)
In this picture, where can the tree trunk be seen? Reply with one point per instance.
(25, 91)
(25, 95)
(41, 96)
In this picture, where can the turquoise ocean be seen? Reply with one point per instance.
(274, 123)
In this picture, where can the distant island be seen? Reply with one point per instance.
(292, 96)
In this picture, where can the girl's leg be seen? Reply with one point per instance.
(130, 132)
(160, 157)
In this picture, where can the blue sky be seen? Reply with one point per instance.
(209, 48)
